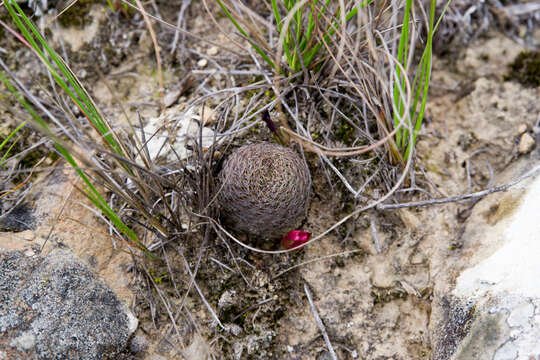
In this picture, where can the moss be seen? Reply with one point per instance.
(346, 132)
(525, 69)
(386, 295)
(77, 15)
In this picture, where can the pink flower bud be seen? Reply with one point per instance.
(294, 239)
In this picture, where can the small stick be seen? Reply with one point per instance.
(314, 260)
(201, 295)
(470, 196)
(179, 20)
(222, 265)
(57, 218)
(374, 233)
(320, 323)
(156, 47)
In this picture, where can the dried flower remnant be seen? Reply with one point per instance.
(269, 123)
(264, 190)
(295, 239)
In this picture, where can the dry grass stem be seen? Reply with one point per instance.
(320, 324)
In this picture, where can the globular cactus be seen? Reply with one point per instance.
(264, 190)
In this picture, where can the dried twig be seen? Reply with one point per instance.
(179, 21)
(470, 196)
(156, 46)
(57, 217)
(320, 323)
(315, 260)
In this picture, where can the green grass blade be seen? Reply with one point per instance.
(296, 65)
(243, 32)
(92, 193)
(310, 27)
(79, 94)
(426, 76)
(277, 17)
(311, 53)
(6, 140)
(401, 134)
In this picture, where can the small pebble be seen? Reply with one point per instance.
(207, 117)
(522, 128)
(202, 63)
(171, 97)
(138, 344)
(238, 349)
(28, 236)
(235, 329)
(526, 143)
(29, 252)
(212, 51)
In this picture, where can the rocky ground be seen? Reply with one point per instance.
(451, 281)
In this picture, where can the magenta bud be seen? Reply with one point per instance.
(295, 239)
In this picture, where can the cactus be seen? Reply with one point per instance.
(264, 190)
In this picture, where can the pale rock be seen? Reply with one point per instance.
(238, 349)
(198, 349)
(24, 342)
(526, 143)
(29, 252)
(497, 287)
(78, 37)
(233, 329)
(171, 97)
(138, 344)
(514, 267)
(227, 299)
(207, 115)
(212, 51)
(159, 141)
(520, 315)
(202, 63)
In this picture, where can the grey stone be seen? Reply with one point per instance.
(18, 219)
(54, 307)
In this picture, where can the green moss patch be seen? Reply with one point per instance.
(77, 15)
(525, 69)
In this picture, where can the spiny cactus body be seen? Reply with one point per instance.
(264, 190)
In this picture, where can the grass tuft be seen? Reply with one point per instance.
(297, 23)
(67, 80)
